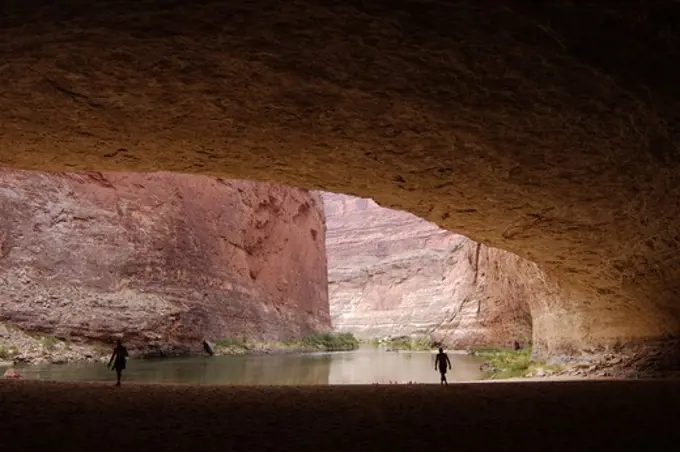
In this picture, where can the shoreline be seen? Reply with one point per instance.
(629, 363)
(56, 358)
(321, 387)
(19, 348)
(633, 362)
(588, 368)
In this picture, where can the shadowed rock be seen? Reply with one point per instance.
(165, 260)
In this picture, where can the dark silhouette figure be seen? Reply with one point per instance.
(440, 363)
(516, 346)
(207, 346)
(118, 359)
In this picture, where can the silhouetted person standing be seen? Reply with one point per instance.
(440, 363)
(118, 359)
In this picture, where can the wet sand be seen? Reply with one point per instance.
(528, 416)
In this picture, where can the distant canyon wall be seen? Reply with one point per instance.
(163, 260)
(392, 273)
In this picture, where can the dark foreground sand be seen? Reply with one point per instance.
(545, 416)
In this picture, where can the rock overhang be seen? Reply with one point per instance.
(548, 131)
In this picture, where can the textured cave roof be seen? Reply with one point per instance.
(546, 128)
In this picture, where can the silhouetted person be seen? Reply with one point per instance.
(516, 346)
(118, 359)
(440, 363)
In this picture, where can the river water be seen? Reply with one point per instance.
(364, 366)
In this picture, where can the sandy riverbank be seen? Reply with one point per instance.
(531, 416)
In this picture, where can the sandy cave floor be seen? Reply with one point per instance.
(546, 416)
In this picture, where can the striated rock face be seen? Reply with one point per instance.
(500, 294)
(387, 270)
(392, 273)
(162, 259)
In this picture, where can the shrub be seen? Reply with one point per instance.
(406, 343)
(50, 342)
(421, 343)
(233, 343)
(8, 353)
(504, 363)
(331, 341)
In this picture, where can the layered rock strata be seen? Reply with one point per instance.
(163, 260)
(392, 273)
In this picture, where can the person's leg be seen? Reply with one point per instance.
(118, 375)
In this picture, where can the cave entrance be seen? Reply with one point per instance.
(403, 281)
(586, 191)
(240, 265)
(534, 129)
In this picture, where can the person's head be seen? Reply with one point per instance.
(119, 343)
(441, 350)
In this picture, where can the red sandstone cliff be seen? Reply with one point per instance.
(161, 259)
(392, 273)
(496, 306)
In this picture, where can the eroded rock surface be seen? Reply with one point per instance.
(392, 273)
(550, 129)
(162, 259)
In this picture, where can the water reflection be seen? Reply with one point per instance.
(365, 367)
(360, 367)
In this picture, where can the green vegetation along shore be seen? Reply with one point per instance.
(326, 342)
(404, 343)
(500, 363)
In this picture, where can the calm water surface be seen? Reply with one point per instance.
(358, 367)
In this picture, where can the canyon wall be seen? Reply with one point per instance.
(392, 273)
(163, 260)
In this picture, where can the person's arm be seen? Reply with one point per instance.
(113, 355)
(448, 361)
(436, 361)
